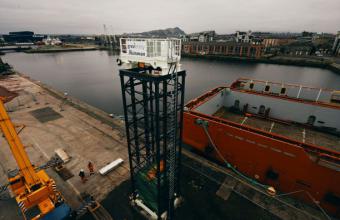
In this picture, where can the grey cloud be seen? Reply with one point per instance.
(224, 16)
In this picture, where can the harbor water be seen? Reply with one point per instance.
(93, 76)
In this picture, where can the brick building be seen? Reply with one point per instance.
(223, 48)
(273, 42)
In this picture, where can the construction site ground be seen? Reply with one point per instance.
(52, 121)
(62, 123)
(199, 199)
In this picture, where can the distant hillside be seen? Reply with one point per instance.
(169, 32)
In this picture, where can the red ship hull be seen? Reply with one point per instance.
(272, 159)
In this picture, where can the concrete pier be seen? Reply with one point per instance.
(53, 121)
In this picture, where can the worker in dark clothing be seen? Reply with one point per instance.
(82, 176)
(91, 167)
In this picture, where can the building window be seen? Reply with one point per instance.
(245, 50)
(231, 49)
(223, 49)
(252, 51)
(211, 48)
(124, 50)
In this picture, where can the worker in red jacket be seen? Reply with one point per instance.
(91, 167)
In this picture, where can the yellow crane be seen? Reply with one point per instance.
(35, 192)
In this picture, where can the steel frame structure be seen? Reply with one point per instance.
(146, 101)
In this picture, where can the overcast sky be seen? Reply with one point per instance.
(120, 16)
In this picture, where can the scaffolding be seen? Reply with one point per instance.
(153, 109)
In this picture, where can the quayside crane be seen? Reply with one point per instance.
(35, 192)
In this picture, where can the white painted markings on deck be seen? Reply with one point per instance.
(272, 126)
(303, 135)
(244, 120)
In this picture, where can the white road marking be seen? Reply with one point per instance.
(73, 187)
(244, 120)
(36, 144)
(304, 135)
(272, 126)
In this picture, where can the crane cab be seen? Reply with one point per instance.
(39, 200)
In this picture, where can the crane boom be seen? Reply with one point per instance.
(33, 188)
(25, 166)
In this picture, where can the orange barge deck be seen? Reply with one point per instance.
(287, 138)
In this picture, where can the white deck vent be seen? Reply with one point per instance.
(159, 54)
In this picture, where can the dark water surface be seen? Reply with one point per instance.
(92, 76)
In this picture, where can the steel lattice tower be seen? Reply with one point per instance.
(153, 110)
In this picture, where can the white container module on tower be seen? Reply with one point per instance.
(156, 54)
